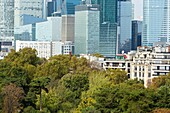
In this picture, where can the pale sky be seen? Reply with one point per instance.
(138, 9)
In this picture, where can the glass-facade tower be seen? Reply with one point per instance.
(33, 8)
(124, 23)
(67, 7)
(156, 22)
(108, 27)
(87, 29)
(51, 7)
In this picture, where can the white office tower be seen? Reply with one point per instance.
(49, 30)
(87, 27)
(27, 7)
(6, 19)
(156, 22)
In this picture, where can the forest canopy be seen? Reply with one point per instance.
(64, 84)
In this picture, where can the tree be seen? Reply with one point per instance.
(68, 92)
(160, 81)
(98, 55)
(26, 55)
(162, 97)
(40, 84)
(12, 98)
(117, 76)
(161, 110)
(80, 65)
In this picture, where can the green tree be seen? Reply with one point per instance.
(80, 65)
(40, 84)
(12, 98)
(117, 76)
(160, 81)
(98, 55)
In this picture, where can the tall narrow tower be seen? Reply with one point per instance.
(6, 19)
(108, 27)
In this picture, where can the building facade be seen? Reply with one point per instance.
(25, 32)
(136, 34)
(108, 27)
(51, 7)
(33, 8)
(68, 6)
(87, 29)
(68, 48)
(45, 49)
(6, 19)
(149, 63)
(156, 21)
(68, 23)
(125, 26)
(49, 30)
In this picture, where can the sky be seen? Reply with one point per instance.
(138, 9)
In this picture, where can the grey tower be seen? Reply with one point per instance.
(6, 19)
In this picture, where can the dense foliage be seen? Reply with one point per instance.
(64, 84)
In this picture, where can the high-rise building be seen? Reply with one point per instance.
(136, 34)
(49, 30)
(124, 23)
(6, 19)
(87, 27)
(108, 27)
(25, 32)
(67, 7)
(156, 22)
(33, 8)
(67, 28)
(51, 7)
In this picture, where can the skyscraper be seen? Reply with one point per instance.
(33, 8)
(51, 7)
(124, 23)
(87, 29)
(67, 7)
(156, 21)
(136, 34)
(6, 19)
(68, 23)
(108, 27)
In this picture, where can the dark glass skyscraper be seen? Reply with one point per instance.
(51, 7)
(108, 26)
(136, 34)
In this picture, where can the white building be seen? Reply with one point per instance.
(68, 48)
(49, 30)
(149, 63)
(87, 27)
(45, 49)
